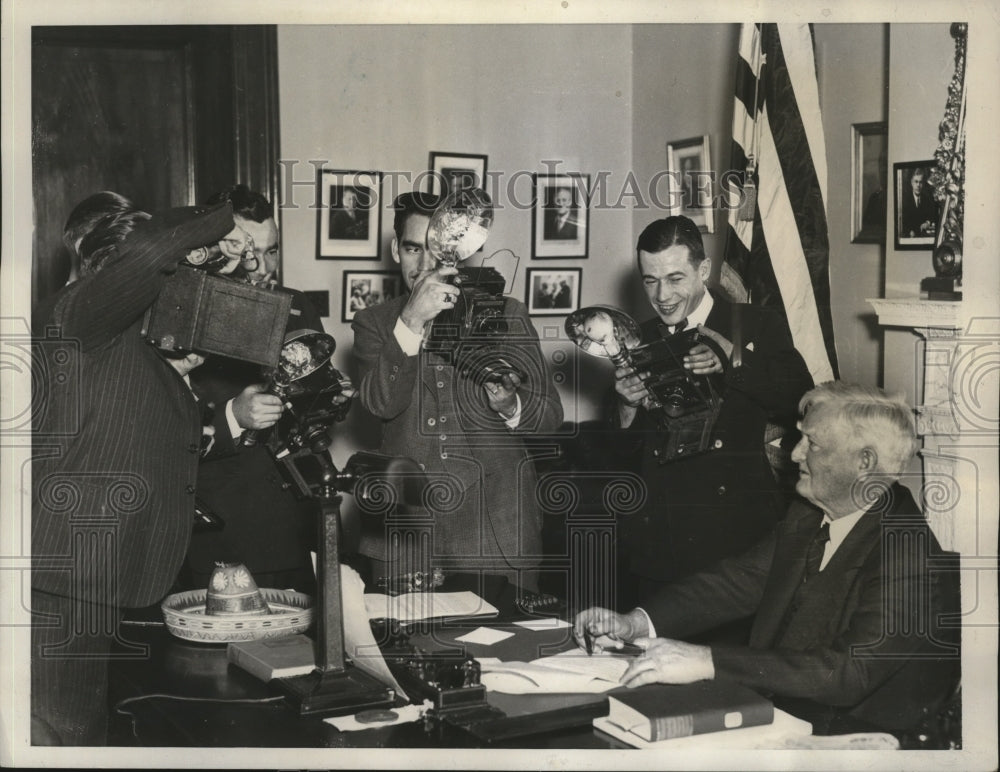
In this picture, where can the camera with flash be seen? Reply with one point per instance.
(459, 228)
(684, 405)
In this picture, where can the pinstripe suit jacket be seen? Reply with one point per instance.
(117, 430)
(864, 635)
(483, 481)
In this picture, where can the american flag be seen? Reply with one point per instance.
(777, 240)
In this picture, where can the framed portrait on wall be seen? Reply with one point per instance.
(350, 215)
(560, 215)
(869, 182)
(916, 213)
(690, 179)
(450, 171)
(552, 291)
(364, 289)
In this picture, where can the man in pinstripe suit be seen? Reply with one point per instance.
(117, 438)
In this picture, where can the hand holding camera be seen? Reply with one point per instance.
(702, 359)
(431, 294)
(502, 394)
(257, 408)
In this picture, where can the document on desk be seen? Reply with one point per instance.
(359, 642)
(414, 606)
(569, 672)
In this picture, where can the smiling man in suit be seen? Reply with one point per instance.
(848, 606)
(700, 508)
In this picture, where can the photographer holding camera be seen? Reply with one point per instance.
(264, 525)
(465, 431)
(118, 434)
(703, 507)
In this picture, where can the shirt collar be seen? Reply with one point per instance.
(840, 528)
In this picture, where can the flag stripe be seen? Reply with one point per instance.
(782, 255)
(801, 62)
(794, 280)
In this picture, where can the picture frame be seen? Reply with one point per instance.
(560, 215)
(691, 185)
(349, 223)
(552, 291)
(447, 169)
(914, 224)
(869, 182)
(364, 289)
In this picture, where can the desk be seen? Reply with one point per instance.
(187, 694)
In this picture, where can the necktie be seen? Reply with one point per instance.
(681, 325)
(814, 555)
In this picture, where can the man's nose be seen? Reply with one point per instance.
(427, 261)
(662, 291)
(799, 451)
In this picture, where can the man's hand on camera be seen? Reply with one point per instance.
(632, 393)
(701, 359)
(431, 294)
(255, 408)
(502, 395)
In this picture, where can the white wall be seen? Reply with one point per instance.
(383, 97)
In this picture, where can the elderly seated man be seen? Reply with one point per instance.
(848, 593)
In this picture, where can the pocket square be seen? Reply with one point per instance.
(749, 346)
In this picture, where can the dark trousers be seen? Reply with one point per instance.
(71, 644)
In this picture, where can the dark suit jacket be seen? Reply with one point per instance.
(864, 635)
(266, 527)
(552, 229)
(483, 481)
(118, 432)
(705, 507)
(914, 216)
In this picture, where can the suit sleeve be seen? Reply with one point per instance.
(773, 374)
(541, 408)
(387, 373)
(99, 307)
(848, 668)
(729, 590)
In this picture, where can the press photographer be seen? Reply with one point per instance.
(257, 520)
(113, 496)
(703, 506)
(460, 412)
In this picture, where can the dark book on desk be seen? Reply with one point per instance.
(291, 655)
(665, 711)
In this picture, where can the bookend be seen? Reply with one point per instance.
(335, 687)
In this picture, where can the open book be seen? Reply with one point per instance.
(572, 671)
(414, 606)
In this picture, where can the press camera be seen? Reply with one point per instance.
(684, 405)
(457, 229)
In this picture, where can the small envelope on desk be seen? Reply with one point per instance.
(486, 636)
(548, 623)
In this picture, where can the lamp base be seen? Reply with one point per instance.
(335, 694)
(941, 288)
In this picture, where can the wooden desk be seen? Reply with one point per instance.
(188, 695)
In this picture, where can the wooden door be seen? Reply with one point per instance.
(164, 115)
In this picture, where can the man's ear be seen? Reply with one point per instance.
(705, 269)
(869, 459)
(395, 250)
